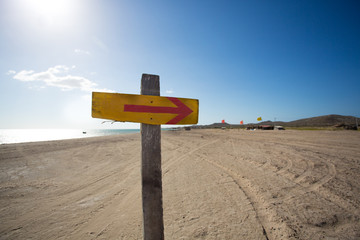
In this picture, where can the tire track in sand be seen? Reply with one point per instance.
(266, 216)
(167, 165)
(198, 155)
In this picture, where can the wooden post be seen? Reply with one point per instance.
(153, 223)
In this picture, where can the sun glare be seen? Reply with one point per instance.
(51, 13)
(51, 8)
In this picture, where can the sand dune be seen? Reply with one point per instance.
(230, 184)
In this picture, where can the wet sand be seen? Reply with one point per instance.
(217, 184)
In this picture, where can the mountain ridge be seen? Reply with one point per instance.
(331, 120)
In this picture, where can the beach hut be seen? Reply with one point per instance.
(266, 127)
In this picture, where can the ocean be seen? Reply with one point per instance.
(36, 135)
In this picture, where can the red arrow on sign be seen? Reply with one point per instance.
(182, 110)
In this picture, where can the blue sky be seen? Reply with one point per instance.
(242, 59)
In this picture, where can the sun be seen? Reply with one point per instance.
(51, 12)
(52, 6)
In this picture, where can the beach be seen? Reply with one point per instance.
(217, 184)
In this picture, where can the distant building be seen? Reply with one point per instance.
(266, 127)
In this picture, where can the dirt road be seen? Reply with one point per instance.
(217, 184)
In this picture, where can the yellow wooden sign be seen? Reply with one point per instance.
(144, 108)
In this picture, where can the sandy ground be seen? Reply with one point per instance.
(217, 184)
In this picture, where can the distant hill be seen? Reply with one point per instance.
(321, 121)
(219, 125)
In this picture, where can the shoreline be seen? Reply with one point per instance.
(9, 136)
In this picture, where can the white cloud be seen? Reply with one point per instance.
(10, 72)
(58, 77)
(81, 52)
(169, 91)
